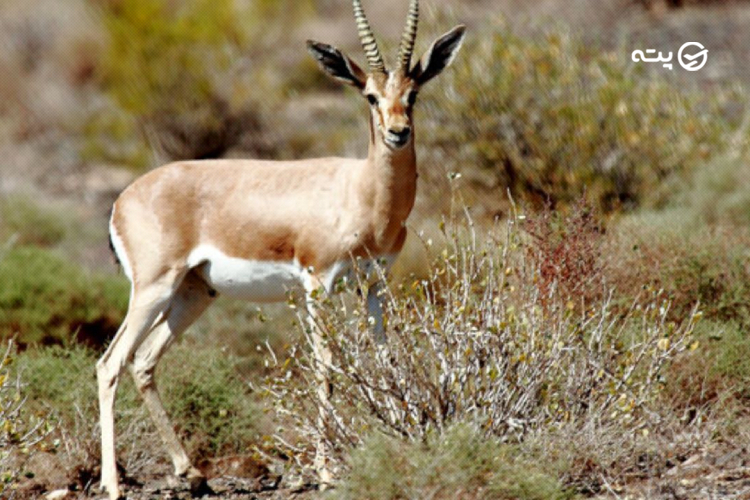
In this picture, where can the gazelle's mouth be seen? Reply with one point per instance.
(397, 140)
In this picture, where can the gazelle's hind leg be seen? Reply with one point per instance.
(188, 303)
(147, 302)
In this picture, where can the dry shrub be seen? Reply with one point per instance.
(566, 251)
(476, 343)
(21, 434)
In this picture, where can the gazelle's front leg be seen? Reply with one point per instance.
(322, 361)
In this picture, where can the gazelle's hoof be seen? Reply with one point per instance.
(324, 479)
(112, 492)
(197, 482)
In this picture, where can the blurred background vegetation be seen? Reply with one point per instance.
(543, 106)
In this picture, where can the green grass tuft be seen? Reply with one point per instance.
(461, 463)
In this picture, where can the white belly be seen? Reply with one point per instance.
(252, 280)
(271, 281)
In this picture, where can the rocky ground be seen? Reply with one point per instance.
(716, 473)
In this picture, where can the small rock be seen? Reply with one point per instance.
(57, 494)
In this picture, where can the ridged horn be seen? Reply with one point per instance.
(409, 37)
(366, 36)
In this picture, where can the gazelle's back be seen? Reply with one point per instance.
(259, 211)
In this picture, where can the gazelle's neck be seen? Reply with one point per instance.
(389, 180)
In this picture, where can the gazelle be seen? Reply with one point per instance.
(254, 229)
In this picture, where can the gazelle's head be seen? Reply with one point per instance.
(390, 93)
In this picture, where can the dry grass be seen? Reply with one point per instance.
(21, 434)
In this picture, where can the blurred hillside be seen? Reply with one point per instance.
(96, 92)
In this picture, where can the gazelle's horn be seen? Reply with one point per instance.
(374, 58)
(409, 37)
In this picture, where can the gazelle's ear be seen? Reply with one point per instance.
(439, 56)
(337, 64)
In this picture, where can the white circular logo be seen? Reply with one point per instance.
(693, 62)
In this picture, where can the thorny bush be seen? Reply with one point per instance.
(477, 342)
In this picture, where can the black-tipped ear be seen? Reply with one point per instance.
(337, 64)
(439, 56)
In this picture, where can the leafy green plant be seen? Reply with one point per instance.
(46, 299)
(172, 66)
(690, 262)
(212, 406)
(208, 402)
(714, 377)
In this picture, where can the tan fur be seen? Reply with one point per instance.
(318, 212)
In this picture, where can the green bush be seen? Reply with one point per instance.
(173, 66)
(161, 55)
(690, 261)
(211, 405)
(716, 374)
(550, 116)
(46, 299)
(461, 463)
(28, 224)
(717, 195)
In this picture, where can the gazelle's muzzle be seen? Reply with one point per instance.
(398, 138)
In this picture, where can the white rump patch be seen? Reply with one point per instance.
(119, 247)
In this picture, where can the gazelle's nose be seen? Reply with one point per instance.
(400, 131)
(399, 136)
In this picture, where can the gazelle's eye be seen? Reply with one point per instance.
(372, 100)
(412, 97)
